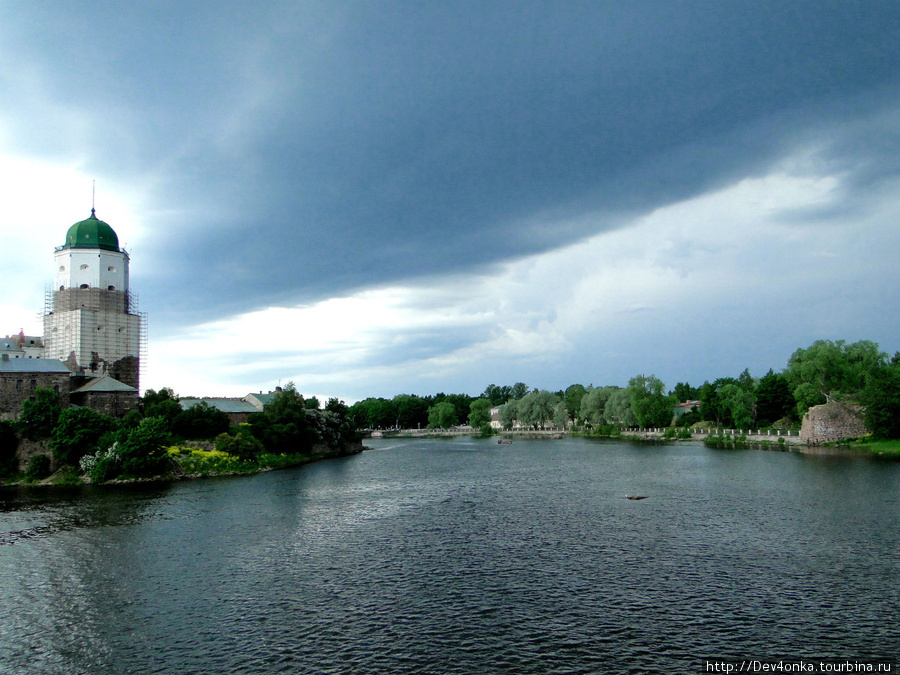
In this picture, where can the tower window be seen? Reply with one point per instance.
(84, 286)
(84, 267)
(62, 288)
(110, 269)
(62, 268)
(110, 288)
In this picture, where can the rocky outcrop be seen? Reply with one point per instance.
(831, 422)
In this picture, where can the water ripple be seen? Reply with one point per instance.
(412, 559)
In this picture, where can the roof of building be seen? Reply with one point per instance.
(262, 399)
(104, 384)
(92, 233)
(8, 365)
(226, 405)
(688, 404)
(9, 345)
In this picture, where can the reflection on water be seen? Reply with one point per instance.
(459, 556)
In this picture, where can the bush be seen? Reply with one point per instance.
(106, 463)
(106, 468)
(38, 467)
(242, 445)
(204, 462)
(784, 424)
(689, 418)
(40, 414)
(9, 443)
(78, 433)
(201, 421)
(143, 451)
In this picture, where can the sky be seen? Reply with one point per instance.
(383, 197)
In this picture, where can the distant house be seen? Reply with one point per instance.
(237, 409)
(22, 346)
(495, 418)
(686, 407)
(260, 400)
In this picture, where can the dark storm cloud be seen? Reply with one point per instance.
(303, 150)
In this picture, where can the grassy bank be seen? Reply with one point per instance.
(197, 462)
(190, 462)
(879, 448)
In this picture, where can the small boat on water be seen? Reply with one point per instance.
(504, 441)
(635, 497)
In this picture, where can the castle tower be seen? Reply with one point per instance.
(90, 319)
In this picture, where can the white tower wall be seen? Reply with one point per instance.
(91, 268)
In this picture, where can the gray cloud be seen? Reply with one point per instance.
(296, 151)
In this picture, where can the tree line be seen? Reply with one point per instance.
(103, 447)
(858, 372)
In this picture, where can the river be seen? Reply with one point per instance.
(459, 556)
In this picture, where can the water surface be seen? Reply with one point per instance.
(459, 556)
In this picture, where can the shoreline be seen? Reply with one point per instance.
(66, 476)
(768, 442)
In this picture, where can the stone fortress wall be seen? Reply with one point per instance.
(831, 422)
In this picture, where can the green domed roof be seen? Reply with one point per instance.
(92, 233)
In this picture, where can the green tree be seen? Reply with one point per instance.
(651, 406)
(312, 403)
(287, 406)
(412, 411)
(283, 426)
(509, 414)
(881, 398)
(442, 415)
(536, 409)
(774, 400)
(593, 406)
(574, 394)
(496, 394)
(740, 403)
(201, 421)
(143, 451)
(827, 369)
(480, 412)
(618, 409)
(39, 414)
(460, 403)
(337, 406)
(746, 381)
(712, 407)
(77, 434)
(151, 397)
(374, 413)
(561, 417)
(684, 392)
(518, 391)
(163, 403)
